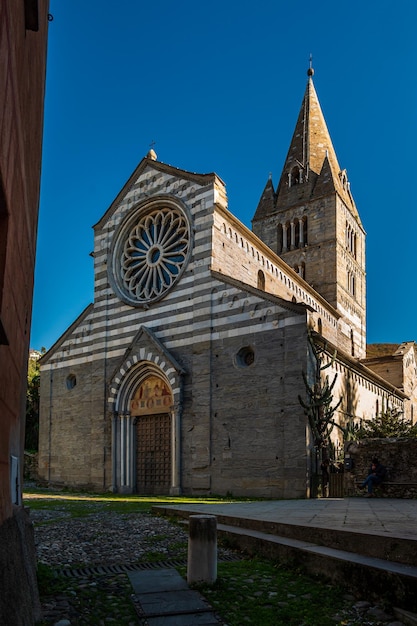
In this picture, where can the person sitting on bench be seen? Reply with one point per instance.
(376, 475)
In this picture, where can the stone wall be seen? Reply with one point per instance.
(23, 42)
(398, 455)
(19, 600)
(30, 471)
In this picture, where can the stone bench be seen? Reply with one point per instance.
(392, 489)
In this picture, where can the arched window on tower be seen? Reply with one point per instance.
(295, 177)
(351, 283)
(297, 225)
(261, 280)
(344, 179)
(279, 239)
(351, 238)
(303, 232)
(352, 343)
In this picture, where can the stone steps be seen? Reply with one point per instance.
(377, 566)
(372, 577)
(397, 548)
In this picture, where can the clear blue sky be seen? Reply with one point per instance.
(218, 86)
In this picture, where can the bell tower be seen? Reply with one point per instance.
(312, 223)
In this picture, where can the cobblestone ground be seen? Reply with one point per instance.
(107, 539)
(101, 539)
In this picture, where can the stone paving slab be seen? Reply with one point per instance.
(166, 600)
(368, 515)
(194, 619)
(170, 602)
(156, 580)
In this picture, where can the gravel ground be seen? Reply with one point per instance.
(105, 539)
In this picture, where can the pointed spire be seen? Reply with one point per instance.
(267, 201)
(310, 147)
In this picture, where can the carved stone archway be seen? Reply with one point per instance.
(147, 382)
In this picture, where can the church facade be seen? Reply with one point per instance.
(184, 374)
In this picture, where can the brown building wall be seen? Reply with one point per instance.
(259, 428)
(23, 35)
(243, 430)
(22, 78)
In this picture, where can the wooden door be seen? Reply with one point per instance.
(153, 454)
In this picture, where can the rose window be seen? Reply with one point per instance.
(152, 253)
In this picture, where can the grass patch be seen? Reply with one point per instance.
(82, 504)
(262, 592)
(89, 601)
(253, 591)
(48, 582)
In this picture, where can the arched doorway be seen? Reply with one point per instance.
(147, 383)
(151, 408)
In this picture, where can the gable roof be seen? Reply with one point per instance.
(146, 337)
(149, 163)
(44, 358)
(357, 366)
(296, 307)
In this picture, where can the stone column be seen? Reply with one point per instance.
(175, 489)
(114, 444)
(122, 422)
(301, 227)
(202, 549)
(125, 453)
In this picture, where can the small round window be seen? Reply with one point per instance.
(71, 381)
(245, 357)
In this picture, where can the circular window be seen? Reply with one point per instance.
(150, 252)
(245, 357)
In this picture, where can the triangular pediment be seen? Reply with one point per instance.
(146, 354)
(147, 347)
(83, 318)
(146, 167)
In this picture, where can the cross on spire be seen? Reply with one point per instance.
(310, 71)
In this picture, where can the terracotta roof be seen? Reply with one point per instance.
(375, 350)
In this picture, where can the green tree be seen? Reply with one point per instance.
(318, 407)
(32, 403)
(388, 424)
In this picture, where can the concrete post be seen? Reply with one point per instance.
(202, 549)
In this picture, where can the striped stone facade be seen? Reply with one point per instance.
(183, 375)
(220, 345)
